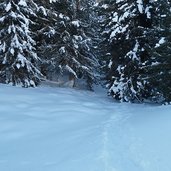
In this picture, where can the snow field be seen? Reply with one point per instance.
(58, 129)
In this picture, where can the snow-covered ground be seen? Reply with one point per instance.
(57, 129)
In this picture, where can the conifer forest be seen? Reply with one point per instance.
(124, 45)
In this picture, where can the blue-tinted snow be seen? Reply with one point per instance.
(57, 129)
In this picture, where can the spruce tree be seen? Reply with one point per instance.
(128, 31)
(159, 72)
(18, 58)
(105, 11)
(69, 47)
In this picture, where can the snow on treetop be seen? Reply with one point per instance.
(62, 50)
(21, 59)
(2, 19)
(8, 7)
(161, 41)
(118, 30)
(22, 3)
(61, 16)
(140, 6)
(78, 37)
(133, 53)
(68, 68)
(2, 47)
(43, 10)
(76, 23)
(105, 6)
(52, 1)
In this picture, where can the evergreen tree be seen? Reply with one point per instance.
(105, 11)
(18, 59)
(129, 31)
(69, 47)
(159, 72)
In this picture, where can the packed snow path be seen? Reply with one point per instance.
(56, 129)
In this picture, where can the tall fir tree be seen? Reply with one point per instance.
(128, 32)
(159, 72)
(69, 47)
(105, 11)
(18, 58)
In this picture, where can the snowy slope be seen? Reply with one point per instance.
(56, 129)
